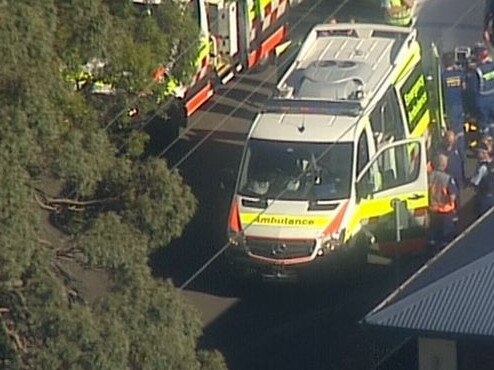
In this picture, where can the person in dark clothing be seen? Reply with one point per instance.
(488, 143)
(488, 22)
(453, 77)
(470, 93)
(483, 180)
(455, 154)
(484, 90)
(486, 190)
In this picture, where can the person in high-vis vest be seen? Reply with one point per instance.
(398, 12)
(443, 192)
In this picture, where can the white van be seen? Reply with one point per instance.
(328, 157)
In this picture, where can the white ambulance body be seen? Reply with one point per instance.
(328, 157)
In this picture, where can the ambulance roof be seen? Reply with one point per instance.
(345, 62)
(340, 68)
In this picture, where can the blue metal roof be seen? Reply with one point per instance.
(452, 294)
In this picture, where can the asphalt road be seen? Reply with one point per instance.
(272, 326)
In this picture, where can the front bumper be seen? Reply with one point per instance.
(345, 260)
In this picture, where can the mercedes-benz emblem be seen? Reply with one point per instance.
(279, 248)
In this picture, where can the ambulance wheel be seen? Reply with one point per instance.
(359, 273)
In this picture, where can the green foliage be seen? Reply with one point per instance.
(84, 31)
(18, 220)
(211, 360)
(113, 244)
(160, 203)
(79, 159)
(85, 159)
(161, 313)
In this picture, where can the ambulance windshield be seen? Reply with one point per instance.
(296, 170)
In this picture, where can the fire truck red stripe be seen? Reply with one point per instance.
(202, 96)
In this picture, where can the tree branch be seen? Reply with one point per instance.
(43, 205)
(80, 203)
(55, 204)
(70, 293)
(45, 242)
(9, 329)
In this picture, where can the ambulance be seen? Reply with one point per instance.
(234, 36)
(336, 155)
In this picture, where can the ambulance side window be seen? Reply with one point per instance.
(398, 165)
(362, 152)
(386, 119)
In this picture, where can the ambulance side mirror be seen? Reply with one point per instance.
(364, 189)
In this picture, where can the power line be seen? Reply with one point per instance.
(221, 123)
(169, 99)
(259, 214)
(243, 101)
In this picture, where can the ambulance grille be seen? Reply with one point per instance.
(280, 249)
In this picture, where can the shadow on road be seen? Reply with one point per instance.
(204, 235)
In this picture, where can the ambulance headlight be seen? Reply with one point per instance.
(338, 235)
(236, 239)
(335, 235)
(334, 241)
(329, 245)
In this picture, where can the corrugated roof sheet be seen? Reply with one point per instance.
(451, 294)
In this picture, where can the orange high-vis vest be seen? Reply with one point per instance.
(441, 201)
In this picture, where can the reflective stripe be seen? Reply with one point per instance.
(399, 19)
(403, 18)
(271, 11)
(202, 61)
(280, 220)
(254, 18)
(372, 210)
(194, 102)
(102, 87)
(483, 79)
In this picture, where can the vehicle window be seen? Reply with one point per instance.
(296, 171)
(395, 166)
(362, 152)
(414, 96)
(386, 118)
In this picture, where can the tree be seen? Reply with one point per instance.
(76, 187)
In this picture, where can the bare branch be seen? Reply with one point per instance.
(9, 329)
(45, 242)
(85, 203)
(56, 204)
(63, 272)
(67, 252)
(43, 205)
